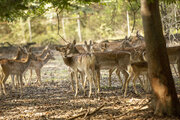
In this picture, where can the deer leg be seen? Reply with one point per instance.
(98, 78)
(118, 74)
(134, 84)
(77, 82)
(30, 76)
(83, 80)
(4, 78)
(18, 80)
(178, 67)
(21, 83)
(126, 75)
(175, 69)
(1, 84)
(38, 73)
(72, 81)
(110, 73)
(140, 80)
(89, 77)
(24, 76)
(95, 81)
(13, 84)
(127, 83)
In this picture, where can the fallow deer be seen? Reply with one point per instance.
(38, 64)
(83, 63)
(21, 54)
(134, 70)
(135, 56)
(174, 57)
(14, 67)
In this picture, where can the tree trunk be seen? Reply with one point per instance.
(79, 28)
(63, 28)
(30, 33)
(165, 100)
(128, 26)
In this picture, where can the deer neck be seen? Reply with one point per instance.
(27, 62)
(19, 55)
(43, 54)
(69, 61)
(46, 59)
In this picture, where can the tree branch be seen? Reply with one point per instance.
(59, 27)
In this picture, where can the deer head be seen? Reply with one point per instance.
(88, 47)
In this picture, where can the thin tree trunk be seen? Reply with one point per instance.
(79, 29)
(63, 28)
(165, 100)
(128, 26)
(30, 34)
(23, 30)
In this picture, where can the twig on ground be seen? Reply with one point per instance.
(131, 110)
(85, 114)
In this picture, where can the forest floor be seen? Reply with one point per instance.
(55, 100)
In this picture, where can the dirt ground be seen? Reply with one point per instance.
(54, 99)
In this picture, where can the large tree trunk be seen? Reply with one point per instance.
(165, 100)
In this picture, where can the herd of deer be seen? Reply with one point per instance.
(25, 59)
(86, 60)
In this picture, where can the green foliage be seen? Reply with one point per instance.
(13, 9)
(103, 20)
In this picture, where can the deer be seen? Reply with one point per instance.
(14, 67)
(9, 51)
(38, 64)
(134, 70)
(135, 56)
(42, 59)
(79, 62)
(137, 68)
(110, 60)
(21, 54)
(174, 57)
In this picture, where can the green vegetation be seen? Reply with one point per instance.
(98, 21)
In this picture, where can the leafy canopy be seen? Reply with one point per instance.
(10, 10)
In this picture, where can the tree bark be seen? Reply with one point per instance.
(165, 97)
(128, 26)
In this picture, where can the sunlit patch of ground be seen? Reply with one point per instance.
(54, 99)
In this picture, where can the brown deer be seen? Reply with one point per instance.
(83, 63)
(21, 54)
(38, 64)
(135, 56)
(107, 60)
(134, 70)
(174, 57)
(137, 68)
(14, 67)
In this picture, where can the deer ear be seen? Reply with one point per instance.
(57, 48)
(74, 42)
(85, 42)
(90, 43)
(105, 45)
